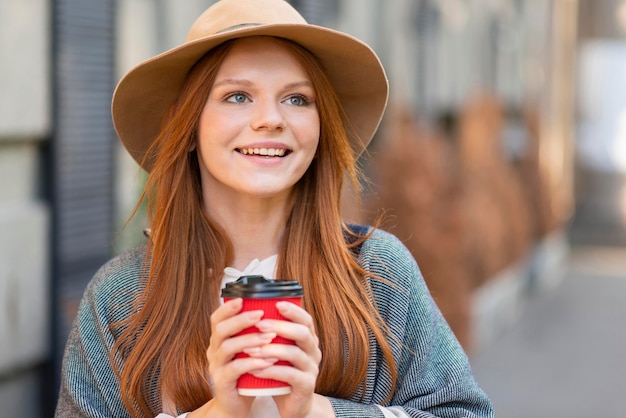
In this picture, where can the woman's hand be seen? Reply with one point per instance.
(304, 356)
(224, 369)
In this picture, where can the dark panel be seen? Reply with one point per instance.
(82, 153)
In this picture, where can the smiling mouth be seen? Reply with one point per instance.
(264, 152)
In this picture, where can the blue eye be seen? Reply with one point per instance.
(237, 98)
(297, 100)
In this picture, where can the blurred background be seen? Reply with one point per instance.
(500, 163)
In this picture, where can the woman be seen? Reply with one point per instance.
(248, 130)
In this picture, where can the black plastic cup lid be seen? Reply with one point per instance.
(260, 287)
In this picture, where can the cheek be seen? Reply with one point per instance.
(212, 128)
(312, 134)
(311, 145)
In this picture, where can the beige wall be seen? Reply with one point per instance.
(24, 217)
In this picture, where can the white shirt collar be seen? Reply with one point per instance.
(265, 267)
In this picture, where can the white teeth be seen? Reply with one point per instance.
(266, 152)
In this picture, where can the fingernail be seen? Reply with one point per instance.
(267, 337)
(284, 307)
(264, 326)
(251, 350)
(234, 303)
(254, 314)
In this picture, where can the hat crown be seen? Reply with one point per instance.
(144, 95)
(228, 15)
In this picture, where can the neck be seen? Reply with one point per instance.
(254, 226)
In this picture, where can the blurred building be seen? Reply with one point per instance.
(458, 69)
(25, 207)
(601, 140)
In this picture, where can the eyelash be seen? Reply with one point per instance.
(305, 100)
(231, 96)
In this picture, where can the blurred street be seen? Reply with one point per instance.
(505, 117)
(563, 357)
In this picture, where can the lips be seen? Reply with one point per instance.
(264, 152)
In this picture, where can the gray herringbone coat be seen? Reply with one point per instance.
(435, 379)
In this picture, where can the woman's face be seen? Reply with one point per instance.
(260, 127)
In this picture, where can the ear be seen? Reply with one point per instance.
(194, 142)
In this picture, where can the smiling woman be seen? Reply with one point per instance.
(264, 103)
(248, 131)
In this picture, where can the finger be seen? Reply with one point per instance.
(227, 310)
(226, 322)
(222, 350)
(246, 343)
(302, 382)
(226, 369)
(302, 335)
(231, 372)
(230, 322)
(296, 314)
(292, 354)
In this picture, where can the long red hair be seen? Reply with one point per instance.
(161, 348)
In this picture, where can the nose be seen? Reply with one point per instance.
(267, 115)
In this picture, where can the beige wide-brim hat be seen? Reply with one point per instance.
(146, 92)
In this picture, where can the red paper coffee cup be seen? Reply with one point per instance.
(261, 293)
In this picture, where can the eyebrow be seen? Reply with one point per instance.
(235, 81)
(232, 81)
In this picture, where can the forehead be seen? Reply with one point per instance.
(259, 52)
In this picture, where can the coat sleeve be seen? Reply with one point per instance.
(87, 380)
(433, 371)
(89, 386)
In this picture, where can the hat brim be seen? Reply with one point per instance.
(146, 92)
